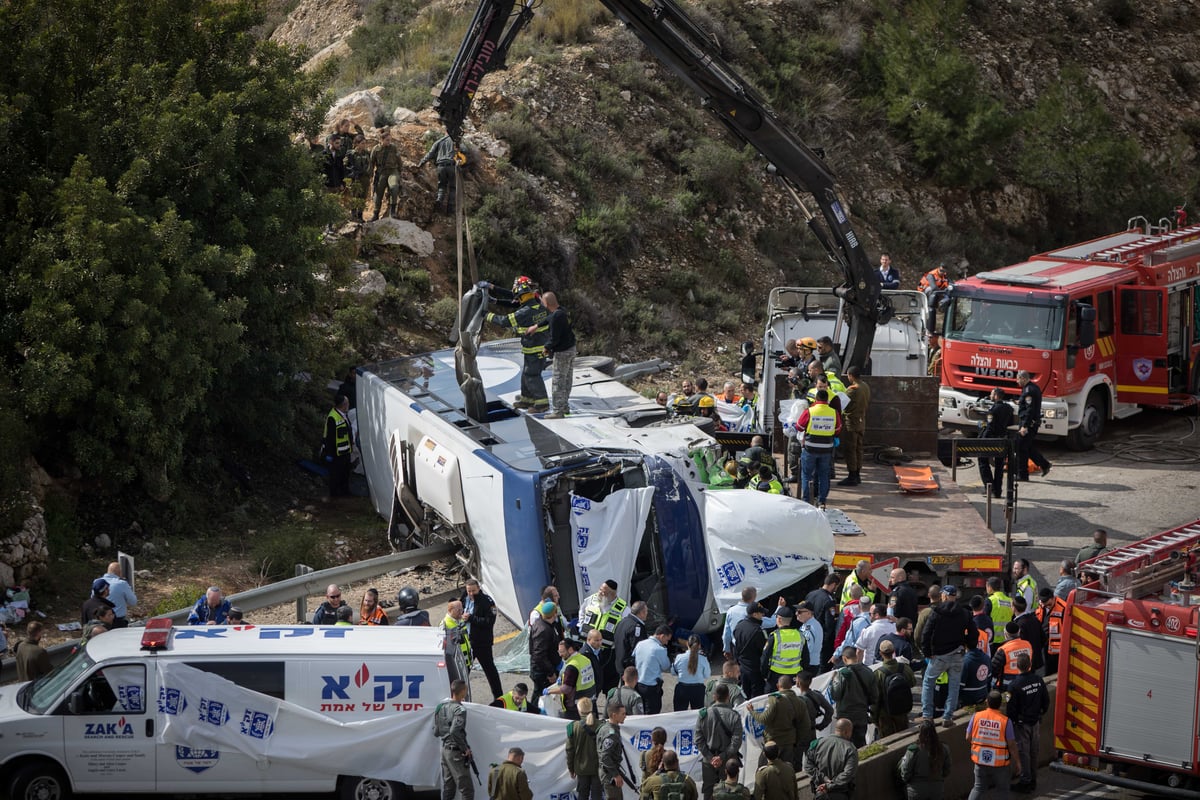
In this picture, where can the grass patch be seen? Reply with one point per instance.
(180, 597)
(276, 552)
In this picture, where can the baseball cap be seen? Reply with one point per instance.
(785, 612)
(951, 590)
(99, 585)
(886, 647)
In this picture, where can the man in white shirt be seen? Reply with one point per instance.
(120, 594)
(880, 625)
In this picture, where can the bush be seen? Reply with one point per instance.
(608, 234)
(720, 174)
(275, 553)
(443, 314)
(528, 146)
(567, 21)
(180, 597)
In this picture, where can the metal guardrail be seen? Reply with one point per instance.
(284, 591)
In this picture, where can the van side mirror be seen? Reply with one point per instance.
(1087, 326)
(75, 703)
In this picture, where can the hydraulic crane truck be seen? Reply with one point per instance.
(1129, 668)
(694, 56)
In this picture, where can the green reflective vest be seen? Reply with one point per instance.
(1002, 614)
(788, 649)
(585, 680)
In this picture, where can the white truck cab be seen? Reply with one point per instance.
(93, 724)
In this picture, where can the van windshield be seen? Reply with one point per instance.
(46, 692)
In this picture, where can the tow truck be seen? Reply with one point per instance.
(1129, 675)
(1104, 327)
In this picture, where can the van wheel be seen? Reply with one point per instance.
(354, 788)
(39, 780)
(1091, 424)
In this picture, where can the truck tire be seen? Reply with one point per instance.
(351, 787)
(39, 780)
(1091, 425)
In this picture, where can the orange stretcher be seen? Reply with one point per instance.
(916, 479)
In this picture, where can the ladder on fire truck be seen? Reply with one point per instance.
(1148, 563)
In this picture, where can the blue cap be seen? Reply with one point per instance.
(99, 585)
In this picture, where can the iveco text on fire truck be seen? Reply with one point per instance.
(1104, 328)
(1129, 670)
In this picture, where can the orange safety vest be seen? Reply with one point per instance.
(1011, 649)
(1054, 626)
(985, 643)
(935, 279)
(989, 744)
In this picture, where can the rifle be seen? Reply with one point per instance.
(474, 768)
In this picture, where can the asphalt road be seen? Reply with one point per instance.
(1140, 480)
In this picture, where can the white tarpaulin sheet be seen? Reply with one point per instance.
(607, 536)
(200, 710)
(768, 541)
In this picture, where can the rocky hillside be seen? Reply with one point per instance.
(964, 132)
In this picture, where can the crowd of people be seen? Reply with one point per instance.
(880, 646)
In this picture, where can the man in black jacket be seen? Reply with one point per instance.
(479, 611)
(1028, 702)
(748, 643)
(906, 596)
(946, 637)
(629, 631)
(999, 418)
(1031, 630)
(823, 603)
(1029, 416)
(543, 652)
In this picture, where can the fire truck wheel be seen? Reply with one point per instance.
(1091, 425)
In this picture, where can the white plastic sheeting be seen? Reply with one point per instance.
(201, 710)
(607, 535)
(761, 540)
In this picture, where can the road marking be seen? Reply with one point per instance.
(506, 637)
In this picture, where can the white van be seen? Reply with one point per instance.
(93, 724)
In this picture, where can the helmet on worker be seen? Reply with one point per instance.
(522, 285)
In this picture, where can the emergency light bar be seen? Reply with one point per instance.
(157, 634)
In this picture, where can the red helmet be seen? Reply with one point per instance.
(522, 285)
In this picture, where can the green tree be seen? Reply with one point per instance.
(1073, 151)
(161, 231)
(932, 93)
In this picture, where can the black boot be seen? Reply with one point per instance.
(852, 479)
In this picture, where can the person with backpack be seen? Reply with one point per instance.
(730, 788)
(729, 677)
(925, 765)
(669, 783)
(895, 682)
(583, 760)
(854, 693)
(719, 731)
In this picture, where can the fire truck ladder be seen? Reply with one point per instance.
(1146, 564)
(1137, 250)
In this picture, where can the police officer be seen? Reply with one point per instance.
(602, 611)
(337, 447)
(508, 781)
(450, 725)
(1029, 416)
(784, 651)
(531, 321)
(410, 615)
(720, 733)
(999, 418)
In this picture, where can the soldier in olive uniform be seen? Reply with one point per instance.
(776, 780)
(450, 725)
(730, 676)
(385, 164)
(613, 761)
(720, 737)
(508, 781)
(784, 719)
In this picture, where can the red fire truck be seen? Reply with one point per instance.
(1104, 328)
(1129, 670)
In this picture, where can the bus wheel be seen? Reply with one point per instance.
(1091, 425)
(355, 788)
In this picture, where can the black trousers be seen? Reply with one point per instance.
(652, 697)
(991, 472)
(752, 683)
(1027, 451)
(481, 648)
(339, 476)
